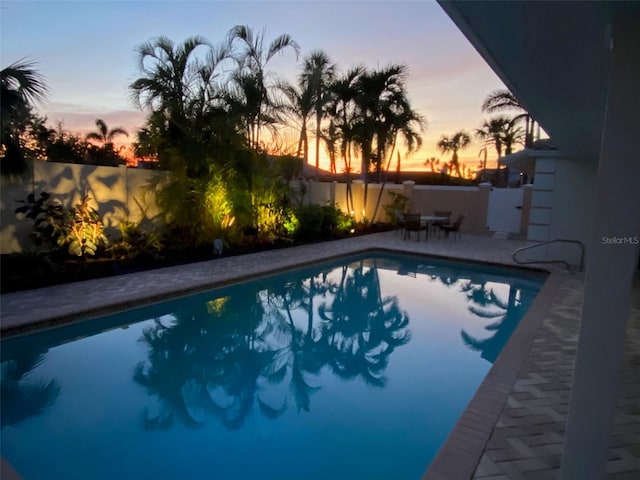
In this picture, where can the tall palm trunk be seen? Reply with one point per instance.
(346, 156)
(366, 155)
(318, 120)
(456, 164)
(378, 200)
(303, 145)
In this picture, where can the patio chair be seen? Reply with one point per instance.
(441, 213)
(398, 220)
(453, 227)
(412, 223)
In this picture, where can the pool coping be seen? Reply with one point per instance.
(458, 456)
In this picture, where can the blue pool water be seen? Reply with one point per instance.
(354, 369)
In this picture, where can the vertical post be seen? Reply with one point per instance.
(611, 260)
(407, 191)
(310, 192)
(484, 194)
(332, 193)
(357, 189)
(527, 193)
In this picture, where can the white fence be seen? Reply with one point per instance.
(119, 194)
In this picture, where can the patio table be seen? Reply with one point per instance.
(427, 220)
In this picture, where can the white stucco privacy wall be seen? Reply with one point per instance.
(117, 193)
(122, 194)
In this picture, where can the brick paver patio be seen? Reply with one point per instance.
(527, 440)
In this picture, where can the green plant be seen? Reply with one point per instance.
(135, 242)
(396, 207)
(316, 221)
(344, 223)
(48, 218)
(82, 232)
(309, 222)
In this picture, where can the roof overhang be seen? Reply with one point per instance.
(525, 160)
(553, 56)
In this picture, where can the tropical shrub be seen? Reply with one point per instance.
(396, 207)
(320, 222)
(82, 231)
(218, 208)
(48, 219)
(135, 242)
(271, 207)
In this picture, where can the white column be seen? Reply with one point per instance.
(357, 190)
(407, 191)
(611, 261)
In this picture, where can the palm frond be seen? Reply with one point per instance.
(22, 77)
(500, 100)
(279, 44)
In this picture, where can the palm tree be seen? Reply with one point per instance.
(502, 99)
(104, 135)
(383, 113)
(317, 74)
(370, 110)
(490, 133)
(169, 73)
(483, 163)
(331, 137)
(181, 91)
(512, 135)
(105, 154)
(250, 77)
(299, 108)
(341, 111)
(432, 163)
(455, 142)
(501, 132)
(20, 87)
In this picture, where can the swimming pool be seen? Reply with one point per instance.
(356, 368)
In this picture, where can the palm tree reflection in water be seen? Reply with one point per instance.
(224, 357)
(23, 398)
(361, 328)
(486, 304)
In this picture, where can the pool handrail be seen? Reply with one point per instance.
(549, 242)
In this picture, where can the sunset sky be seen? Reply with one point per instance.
(86, 51)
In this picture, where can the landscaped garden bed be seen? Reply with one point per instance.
(134, 253)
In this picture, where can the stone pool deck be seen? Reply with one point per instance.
(512, 429)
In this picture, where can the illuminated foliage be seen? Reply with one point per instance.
(82, 232)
